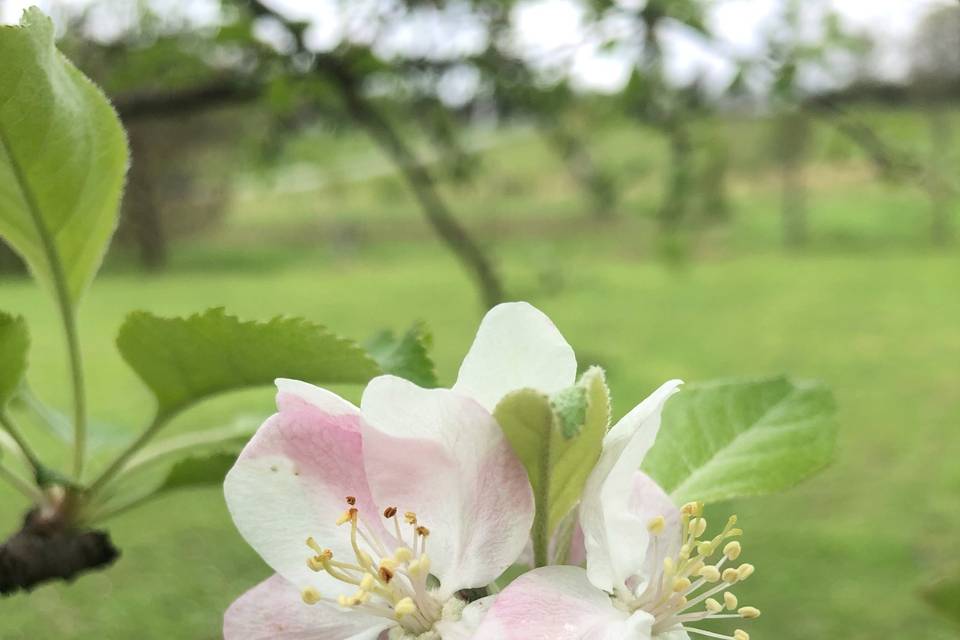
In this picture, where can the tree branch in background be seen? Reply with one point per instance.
(580, 163)
(185, 101)
(418, 177)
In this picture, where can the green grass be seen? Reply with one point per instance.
(867, 309)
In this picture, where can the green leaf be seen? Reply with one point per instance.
(557, 465)
(730, 439)
(945, 598)
(14, 343)
(202, 471)
(407, 357)
(63, 156)
(185, 360)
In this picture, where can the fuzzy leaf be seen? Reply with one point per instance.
(14, 342)
(63, 156)
(407, 356)
(731, 439)
(557, 465)
(185, 360)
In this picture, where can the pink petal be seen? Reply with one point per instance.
(516, 347)
(616, 537)
(444, 457)
(291, 482)
(559, 603)
(273, 610)
(295, 393)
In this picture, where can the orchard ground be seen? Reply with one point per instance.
(868, 308)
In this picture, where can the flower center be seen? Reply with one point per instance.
(683, 590)
(389, 578)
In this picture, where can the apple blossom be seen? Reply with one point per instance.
(375, 518)
(650, 569)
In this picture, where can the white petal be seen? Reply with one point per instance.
(291, 482)
(444, 457)
(559, 603)
(290, 392)
(614, 536)
(677, 633)
(273, 610)
(470, 619)
(516, 347)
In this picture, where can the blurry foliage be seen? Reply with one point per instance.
(168, 71)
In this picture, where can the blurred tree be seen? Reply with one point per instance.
(935, 75)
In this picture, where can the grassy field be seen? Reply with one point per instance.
(867, 308)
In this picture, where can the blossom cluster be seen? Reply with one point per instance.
(397, 519)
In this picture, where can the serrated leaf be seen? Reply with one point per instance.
(199, 471)
(14, 343)
(407, 356)
(558, 466)
(63, 157)
(185, 360)
(945, 598)
(731, 439)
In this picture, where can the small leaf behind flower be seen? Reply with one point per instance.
(738, 438)
(407, 356)
(185, 360)
(557, 465)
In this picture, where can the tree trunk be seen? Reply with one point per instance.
(141, 209)
(792, 142)
(576, 156)
(941, 167)
(419, 179)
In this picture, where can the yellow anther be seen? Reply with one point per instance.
(403, 555)
(705, 549)
(681, 584)
(730, 575)
(657, 525)
(314, 546)
(698, 526)
(668, 566)
(710, 573)
(367, 582)
(390, 564)
(732, 550)
(310, 595)
(695, 567)
(744, 571)
(405, 607)
(740, 634)
(410, 517)
(345, 517)
(315, 563)
(421, 565)
(713, 606)
(730, 600)
(693, 509)
(344, 601)
(749, 612)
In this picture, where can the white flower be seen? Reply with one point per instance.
(650, 573)
(375, 518)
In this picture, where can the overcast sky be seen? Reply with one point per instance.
(551, 30)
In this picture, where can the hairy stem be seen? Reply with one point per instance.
(11, 428)
(28, 490)
(121, 460)
(65, 306)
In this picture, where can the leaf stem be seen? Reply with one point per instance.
(64, 304)
(121, 460)
(11, 428)
(21, 485)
